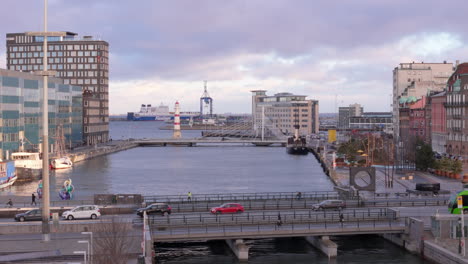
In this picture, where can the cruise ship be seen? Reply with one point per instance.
(158, 113)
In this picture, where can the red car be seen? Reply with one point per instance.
(228, 208)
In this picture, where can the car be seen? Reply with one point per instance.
(31, 215)
(83, 212)
(155, 208)
(227, 208)
(329, 204)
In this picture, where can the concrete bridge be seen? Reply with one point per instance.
(190, 142)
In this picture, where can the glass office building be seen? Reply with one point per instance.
(21, 112)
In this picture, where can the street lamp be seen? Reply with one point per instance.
(84, 254)
(91, 252)
(87, 243)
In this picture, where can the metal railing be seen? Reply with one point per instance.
(254, 218)
(232, 197)
(225, 231)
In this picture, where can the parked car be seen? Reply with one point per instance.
(155, 208)
(82, 211)
(329, 204)
(31, 215)
(227, 208)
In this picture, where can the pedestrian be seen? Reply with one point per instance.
(33, 199)
(298, 195)
(9, 203)
(189, 196)
(341, 217)
(279, 222)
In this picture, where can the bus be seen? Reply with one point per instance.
(453, 206)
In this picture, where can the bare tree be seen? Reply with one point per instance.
(113, 242)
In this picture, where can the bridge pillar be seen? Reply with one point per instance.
(324, 244)
(240, 249)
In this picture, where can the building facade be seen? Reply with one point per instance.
(280, 112)
(415, 80)
(456, 107)
(344, 113)
(438, 122)
(372, 120)
(21, 112)
(78, 61)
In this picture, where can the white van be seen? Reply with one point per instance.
(83, 212)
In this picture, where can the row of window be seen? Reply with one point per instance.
(85, 81)
(10, 137)
(37, 54)
(62, 47)
(30, 67)
(10, 122)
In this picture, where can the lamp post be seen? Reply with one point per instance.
(45, 125)
(91, 252)
(84, 254)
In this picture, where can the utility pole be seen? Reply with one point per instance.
(45, 125)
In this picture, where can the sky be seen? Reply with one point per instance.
(338, 52)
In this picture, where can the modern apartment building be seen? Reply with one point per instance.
(282, 111)
(456, 107)
(78, 61)
(21, 112)
(344, 113)
(413, 80)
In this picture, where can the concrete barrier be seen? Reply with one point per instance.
(324, 244)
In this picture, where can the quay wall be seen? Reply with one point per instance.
(96, 151)
(327, 168)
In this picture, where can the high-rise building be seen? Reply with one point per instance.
(78, 61)
(413, 80)
(282, 111)
(344, 113)
(21, 112)
(456, 107)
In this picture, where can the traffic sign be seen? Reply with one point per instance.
(460, 201)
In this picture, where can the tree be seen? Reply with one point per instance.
(456, 167)
(113, 242)
(424, 156)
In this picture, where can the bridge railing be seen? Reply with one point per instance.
(385, 195)
(272, 217)
(232, 197)
(225, 231)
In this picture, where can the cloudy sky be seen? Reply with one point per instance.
(338, 52)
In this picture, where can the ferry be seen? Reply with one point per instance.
(159, 113)
(28, 165)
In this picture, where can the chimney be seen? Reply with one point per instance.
(456, 63)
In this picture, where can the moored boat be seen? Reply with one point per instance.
(28, 165)
(61, 163)
(296, 144)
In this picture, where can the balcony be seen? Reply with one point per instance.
(459, 104)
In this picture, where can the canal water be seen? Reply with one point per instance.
(214, 169)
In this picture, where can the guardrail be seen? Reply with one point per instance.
(407, 195)
(232, 197)
(272, 217)
(64, 203)
(224, 231)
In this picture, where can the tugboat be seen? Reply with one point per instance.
(297, 144)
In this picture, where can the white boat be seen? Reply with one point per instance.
(8, 182)
(61, 163)
(28, 165)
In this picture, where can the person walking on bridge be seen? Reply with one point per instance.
(33, 199)
(189, 196)
(279, 222)
(9, 203)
